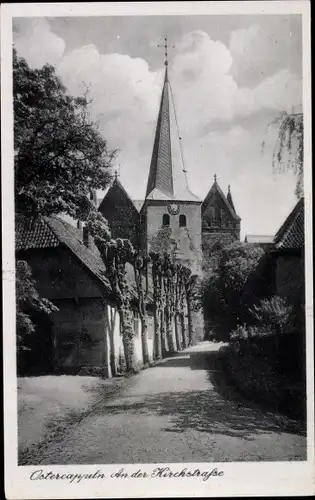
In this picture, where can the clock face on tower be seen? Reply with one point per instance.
(173, 209)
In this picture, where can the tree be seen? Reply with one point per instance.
(190, 287)
(27, 300)
(288, 151)
(140, 266)
(221, 292)
(159, 341)
(115, 255)
(163, 243)
(59, 155)
(169, 281)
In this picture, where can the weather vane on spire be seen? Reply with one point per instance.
(165, 46)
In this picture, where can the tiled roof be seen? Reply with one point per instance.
(71, 237)
(33, 233)
(291, 234)
(48, 232)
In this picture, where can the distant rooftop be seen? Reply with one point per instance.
(259, 238)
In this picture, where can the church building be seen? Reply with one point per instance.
(171, 218)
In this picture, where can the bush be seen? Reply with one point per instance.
(273, 312)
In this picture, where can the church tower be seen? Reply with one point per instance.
(171, 213)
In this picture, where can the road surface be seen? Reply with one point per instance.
(178, 411)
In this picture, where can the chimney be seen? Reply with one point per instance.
(88, 240)
(93, 197)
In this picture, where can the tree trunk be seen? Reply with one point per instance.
(144, 341)
(177, 339)
(157, 333)
(111, 330)
(163, 335)
(183, 330)
(127, 343)
(190, 324)
(112, 357)
(169, 332)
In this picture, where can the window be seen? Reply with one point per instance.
(166, 220)
(182, 221)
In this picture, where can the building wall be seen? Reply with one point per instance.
(137, 339)
(59, 274)
(186, 241)
(80, 334)
(290, 277)
(216, 216)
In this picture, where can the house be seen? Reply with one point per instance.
(84, 333)
(281, 269)
(288, 253)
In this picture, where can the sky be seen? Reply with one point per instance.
(230, 76)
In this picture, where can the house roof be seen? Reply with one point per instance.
(290, 236)
(50, 232)
(217, 191)
(167, 177)
(33, 233)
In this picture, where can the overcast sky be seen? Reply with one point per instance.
(230, 75)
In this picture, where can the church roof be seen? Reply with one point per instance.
(291, 234)
(167, 177)
(112, 191)
(230, 199)
(217, 191)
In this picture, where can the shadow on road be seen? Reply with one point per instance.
(216, 410)
(193, 360)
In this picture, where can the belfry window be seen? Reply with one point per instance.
(182, 220)
(166, 220)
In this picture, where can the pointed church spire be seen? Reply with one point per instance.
(229, 198)
(167, 176)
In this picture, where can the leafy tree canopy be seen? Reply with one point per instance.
(221, 291)
(28, 299)
(289, 151)
(59, 155)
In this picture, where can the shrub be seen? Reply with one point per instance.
(273, 312)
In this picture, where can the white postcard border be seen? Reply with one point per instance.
(240, 478)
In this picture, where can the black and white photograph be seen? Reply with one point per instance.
(160, 214)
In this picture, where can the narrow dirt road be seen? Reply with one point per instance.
(178, 411)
